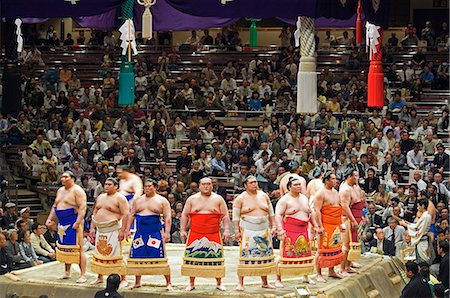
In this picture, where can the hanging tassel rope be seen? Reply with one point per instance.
(18, 23)
(253, 32)
(359, 29)
(297, 32)
(128, 45)
(147, 18)
(375, 78)
(307, 76)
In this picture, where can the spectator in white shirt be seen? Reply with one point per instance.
(81, 121)
(86, 133)
(260, 163)
(415, 158)
(264, 88)
(422, 131)
(417, 176)
(228, 83)
(382, 143)
(53, 134)
(66, 147)
(99, 145)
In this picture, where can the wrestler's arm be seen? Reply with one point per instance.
(52, 214)
(138, 188)
(225, 219)
(318, 203)
(94, 212)
(312, 217)
(167, 213)
(80, 198)
(131, 214)
(304, 187)
(345, 199)
(125, 211)
(271, 214)
(280, 210)
(185, 218)
(237, 205)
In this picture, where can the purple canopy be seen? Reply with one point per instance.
(165, 18)
(55, 8)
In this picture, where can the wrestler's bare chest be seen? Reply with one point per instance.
(146, 206)
(255, 205)
(126, 186)
(203, 204)
(296, 206)
(108, 204)
(65, 198)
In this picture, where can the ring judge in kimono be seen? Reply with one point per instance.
(292, 216)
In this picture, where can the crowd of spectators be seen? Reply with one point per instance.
(177, 135)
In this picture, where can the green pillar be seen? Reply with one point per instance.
(126, 77)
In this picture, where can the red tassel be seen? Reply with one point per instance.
(375, 92)
(359, 28)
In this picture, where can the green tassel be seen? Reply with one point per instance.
(253, 32)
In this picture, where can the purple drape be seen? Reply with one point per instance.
(55, 8)
(327, 22)
(165, 18)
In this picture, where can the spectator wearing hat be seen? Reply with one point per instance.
(10, 217)
(25, 217)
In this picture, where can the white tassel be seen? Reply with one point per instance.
(297, 33)
(372, 36)
(147, 18)
(127, 36)
(18, 23)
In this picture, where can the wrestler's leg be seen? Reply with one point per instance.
(168, 283)
(240, 286)
(316, 262)
(278, 282)
(98, 280)
(124, 282)
(308, 280)
(137, 283)
(191, 285)
(265, 283)
(66, 274)
(219, 284)
(83, 260)
(334, 274)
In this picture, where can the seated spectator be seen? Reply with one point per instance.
(8, 220)
(51, 235)
(43, 250)
(29, 159)
(398, 103)
(381, 245)
(405, 244)
(417, 286)
(40, 145)
(394, 232)
(426, 76)
(27, 251)
(12, 249)
(5, 261)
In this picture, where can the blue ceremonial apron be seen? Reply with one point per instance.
(66, 218)
(147, 242)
